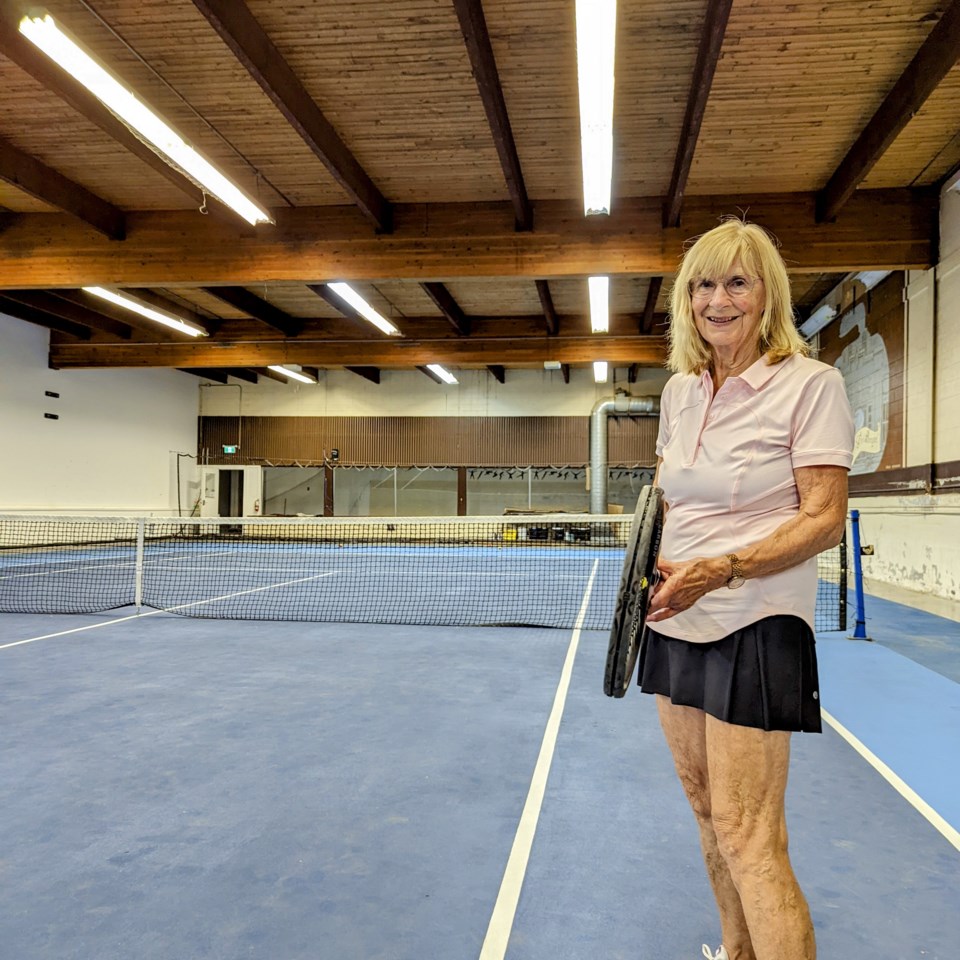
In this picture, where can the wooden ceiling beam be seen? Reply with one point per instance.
(877, 229)
(708, 53)
(38, 65)
(41, 318)
(477, 351)
(368, 373)
(248, 42)
(546, 304)
(449, 307)
(473, 26)
(68, 310)
(44, 183)
(270, 374)
(258, 308)
(933, 61)
(648, 317)
(217, 376)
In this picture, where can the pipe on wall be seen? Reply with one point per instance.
(618, 406)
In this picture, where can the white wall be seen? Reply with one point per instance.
(409, 393)
(113, 448)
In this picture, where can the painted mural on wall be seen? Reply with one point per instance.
(866, 346)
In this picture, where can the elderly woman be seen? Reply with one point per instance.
(753, 451)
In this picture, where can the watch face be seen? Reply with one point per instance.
(735, 582)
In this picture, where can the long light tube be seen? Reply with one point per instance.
(292, 374)
(599, 371)
(45, 34)
(445, 375)
(346, 293)
(599, 289)
(596, 44)
(128, 303)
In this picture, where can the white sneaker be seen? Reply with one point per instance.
(721, 954)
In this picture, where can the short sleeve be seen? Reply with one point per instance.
(663, 431)
(823, 423)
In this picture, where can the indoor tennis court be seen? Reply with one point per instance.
(353, 357)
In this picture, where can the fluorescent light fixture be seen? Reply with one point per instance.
(128, 303)
(445, 375)
(818, 320)
(596, 42)
(599, 371)
(599, 288)
(870, 278)
(346, 293)
(292, 374)
(552, 365)
(45, 34)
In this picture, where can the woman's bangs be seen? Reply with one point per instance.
(718, 254)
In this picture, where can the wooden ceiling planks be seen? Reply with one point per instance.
(394, 80)
(929, 147)
(796, 84)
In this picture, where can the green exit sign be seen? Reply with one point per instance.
(229, 448)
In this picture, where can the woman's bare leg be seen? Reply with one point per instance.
(747, 774)
(685, 730)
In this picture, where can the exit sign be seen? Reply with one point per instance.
(229, 448)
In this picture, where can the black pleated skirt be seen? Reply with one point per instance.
(764, 675)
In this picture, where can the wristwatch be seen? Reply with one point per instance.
(737, 578)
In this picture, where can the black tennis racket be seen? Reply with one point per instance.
(638, 577)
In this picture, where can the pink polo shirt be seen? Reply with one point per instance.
(727, 477)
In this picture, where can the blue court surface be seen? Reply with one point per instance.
(176, 788)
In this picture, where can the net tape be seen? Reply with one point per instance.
(519, 569)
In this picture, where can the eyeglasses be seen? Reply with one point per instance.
(736, 287)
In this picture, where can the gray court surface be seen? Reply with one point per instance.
(179, 789)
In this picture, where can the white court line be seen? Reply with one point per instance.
(908, 793)
(153, 613)
(504, 910)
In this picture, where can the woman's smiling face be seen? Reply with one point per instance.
(728, 313)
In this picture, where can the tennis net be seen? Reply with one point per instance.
(519, 569)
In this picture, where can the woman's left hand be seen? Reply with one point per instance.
(683, 584)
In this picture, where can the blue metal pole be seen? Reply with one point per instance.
(860, 629)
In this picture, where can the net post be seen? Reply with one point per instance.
(842, 599)
(860, 627)
(138, 576)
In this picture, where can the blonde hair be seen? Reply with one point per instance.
(711, 256)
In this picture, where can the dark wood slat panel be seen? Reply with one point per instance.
(428, 441)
